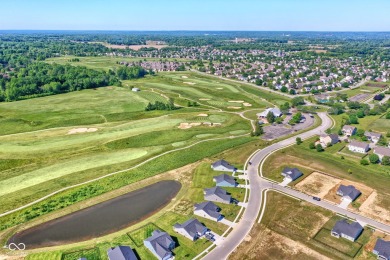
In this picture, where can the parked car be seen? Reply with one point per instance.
(316, 198)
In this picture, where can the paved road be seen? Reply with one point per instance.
(258, 184)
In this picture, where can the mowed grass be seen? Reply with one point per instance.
(76, 108)
(101, 63)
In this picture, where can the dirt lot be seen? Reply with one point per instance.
(366, 192)
(317, 184)
(370, 208)
(359, 97)
(271, 245)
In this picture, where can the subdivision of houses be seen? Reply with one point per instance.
(208, 210)
(217, 194)
(358, 147)
(350, 231)
(225, 180)
(373, 137)
(348, 192)
(348, 130)
(160, 244)
(224, 166)
(382, 249)
(382, 152)
(191, 229)
(291, 173)
(121, 253)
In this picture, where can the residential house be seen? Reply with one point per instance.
(350, 231)
(358, 147)
(348, 130)
(225, 180)
(191, 229)
(382, 152)
(276, 111)
(329, 139)
(208, 210)
(217, 194)
(121, 253)
(382, 249)
(373, 137)
(223, 166)
(160, 244)
(348, 192)
(291, 173)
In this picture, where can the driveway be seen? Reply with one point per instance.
(344, 204)
(285, 182)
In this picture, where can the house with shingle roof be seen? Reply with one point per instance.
(217, 194)
(348, 130)
(160, 244)
(382, 152)
(224, 166)
(348, 192)
(382, 249)
(274, 110)
(225, 180)
(191, 229)
(329, 139)
(291, 173)
(358, 147)
(350, 231)
(121, 253)
(373, 137)
(208, 210)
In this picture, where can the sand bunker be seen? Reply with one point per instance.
(189, 125)
(203, 115)
(184, 77)
(204, 99)
(234, 107)
(189, 83)
(236, 101)
(219, 88)
(247, 104)
(81, 130)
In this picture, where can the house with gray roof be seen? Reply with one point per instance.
(160, 244)
(329, 139)
(350, 231)
(121, 253)
(225, 180)
(208, 210)
(291, 173)
(348, 130)
(191, 229)
(358, 147)
(217, 194)
(382, 249)
(373, 137)
(274, 110)
(382, 152)
(348, 192)
(224, 166)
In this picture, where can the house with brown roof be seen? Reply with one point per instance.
(382, 152)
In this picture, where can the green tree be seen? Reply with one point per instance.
(298, 140)
(297, 101)
(312, 146)
(319, 148)
(270, 117)
(386, 160)
(258, 130)
(373, 158)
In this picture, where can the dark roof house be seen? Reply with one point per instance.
(225, 180)
(121, 253)
(208, 210)
(382, 152)
(348, 192)
(192, 229)
(222, 165)
(217, 194)
(291, 173)
(350, 231)
(382, 249)
(160, 244)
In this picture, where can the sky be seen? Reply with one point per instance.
(222, 15)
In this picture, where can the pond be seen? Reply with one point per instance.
(101, 219)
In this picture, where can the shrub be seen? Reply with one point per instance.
(364, 162)
(319, 148)
(373, 158)
(312, 146)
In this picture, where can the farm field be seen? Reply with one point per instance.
(365, 89)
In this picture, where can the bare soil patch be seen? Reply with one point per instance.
(81, 130)
(370, 208)
(317, 184)
(366, 192)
